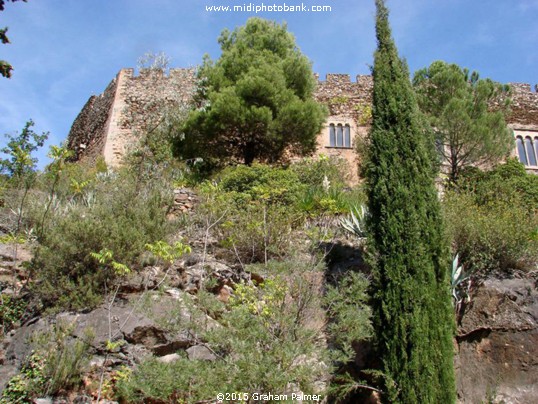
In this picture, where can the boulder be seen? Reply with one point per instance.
(200, 352)
(497, 343)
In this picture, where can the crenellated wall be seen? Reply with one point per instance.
(109, 123)
(524, 106)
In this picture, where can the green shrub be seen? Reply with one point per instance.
(119, 218)
(251, 212)
(258, 232)
(11, 311)
(22, 387)
(497, 235)
(262, 182)
(56, 364)
(269, 341)
(347, 307)
(313, 171)
(508, 182)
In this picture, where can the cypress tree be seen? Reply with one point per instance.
(412, 309)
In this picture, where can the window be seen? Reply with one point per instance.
(340, 135)
(527, 150)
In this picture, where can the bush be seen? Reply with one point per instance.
(269, 341)
(262, 182)
(492, 218)
(55, 365)
(493, 236)
(119, 218)
(508, 181)
(251, 211)
(11, 311)
(313, 171)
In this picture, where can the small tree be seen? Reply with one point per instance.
(19, 164)
(457, 105)
(411, 304)
(255, 102)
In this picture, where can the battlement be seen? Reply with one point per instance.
(524, 106)
(108, 124)
(181, 72)
(523, 88)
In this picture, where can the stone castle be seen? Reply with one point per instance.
(109, 123)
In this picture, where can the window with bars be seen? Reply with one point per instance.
(340, 135)
(527, 150)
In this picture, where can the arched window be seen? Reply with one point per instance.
(521, 151)
(531, 154)
(347, 136)
(332, 135)
(339, 135)
(527, 150)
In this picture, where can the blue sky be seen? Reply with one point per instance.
(63, 51)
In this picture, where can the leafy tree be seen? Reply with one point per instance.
(5, 67)
(19, 149)
(20, 165)
(255, 101)
(457, 106)
(411, 302)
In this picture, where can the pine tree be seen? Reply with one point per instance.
(412, 310)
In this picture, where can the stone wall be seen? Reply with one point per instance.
(88, 132)
(524, 107)
(349, 103)
(109, 124)
(140, 105)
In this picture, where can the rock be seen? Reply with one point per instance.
(224, 293)
(200, 352)
(498, 343)
(6, 373)
(169, 358)
(43, 401)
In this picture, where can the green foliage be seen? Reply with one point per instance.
(63, 358)
(262, 183)
(105, 257)
(166, 252)
(457, 106)
(22, 387)
(255, 102)
(252, 211)
(492, 218)
(313, 171)
(356, 223)
(11, 311)
(120, 218)
(256, 232)
(351, 317)
(413, 317)
(507, 182)
(55, 365)
(268, 341)
(327, 190)
(19, 150)
(496, 235)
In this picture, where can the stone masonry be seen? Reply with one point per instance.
(110, 123)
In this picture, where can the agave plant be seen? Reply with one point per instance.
(355, 223)
(457, 279)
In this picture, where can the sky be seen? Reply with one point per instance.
(64, 51)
